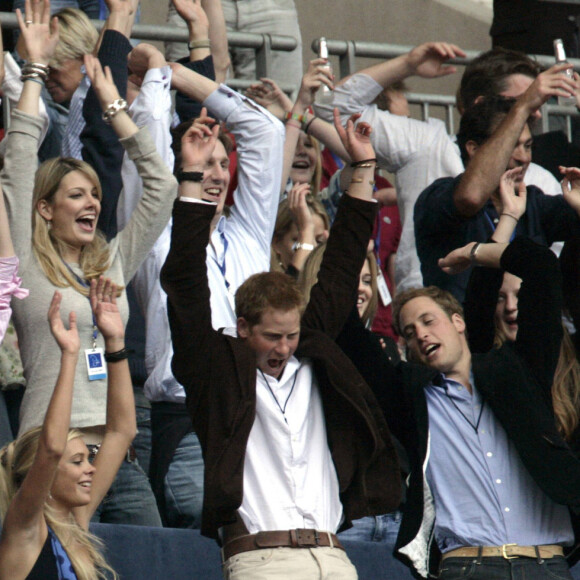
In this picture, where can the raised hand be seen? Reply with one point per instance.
(513, 193)
(198, 142)
(317, 74)
(299, 208)
(67, 339)
(39, 32)
(571, 186)
(143, 57)
(193, 13)
(428, 60)
(102, 81)
(270, 96)
(103, 298)
(550, 83)
(355, 139)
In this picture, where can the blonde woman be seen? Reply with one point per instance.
(48, 488)
(60, 248)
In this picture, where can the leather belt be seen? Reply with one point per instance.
(300, 538)
(507, 551)
(130, 457)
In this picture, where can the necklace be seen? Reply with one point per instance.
(282, 408)
(474, 427)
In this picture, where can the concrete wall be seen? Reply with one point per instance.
(407, 22)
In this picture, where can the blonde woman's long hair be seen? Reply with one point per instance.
(16, 459)
(47, 248)
(309, 276)
(565, 386)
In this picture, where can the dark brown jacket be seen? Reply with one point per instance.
(219, 371)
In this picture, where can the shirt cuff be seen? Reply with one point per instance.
(9, 281)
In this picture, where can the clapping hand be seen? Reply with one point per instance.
(67, 339)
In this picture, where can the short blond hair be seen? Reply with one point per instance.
(76, 36)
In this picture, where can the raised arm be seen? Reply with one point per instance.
(259, 146)
(333, 297)
(482, 291)
(154, 210)
(121, 18)
(40, 36)
(151, 108)
(184, 275)
(426, 60)
(485, 168)
(24, 528)
(100, 145)
(513, 197)
(121, 426)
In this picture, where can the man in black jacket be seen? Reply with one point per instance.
(492, 479)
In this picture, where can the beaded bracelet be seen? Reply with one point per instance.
(113, 357)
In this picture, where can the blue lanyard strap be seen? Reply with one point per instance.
(85, 284)
(493, 226)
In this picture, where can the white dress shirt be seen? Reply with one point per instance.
(289, 477)
(239, 245)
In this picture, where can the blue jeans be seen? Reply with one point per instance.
(142, 441)
(129, 500)
(184, 485)
(384, 528)
(501, 569)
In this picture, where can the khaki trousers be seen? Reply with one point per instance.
(290, 564)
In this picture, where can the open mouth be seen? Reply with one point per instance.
(87, 223)
(85, 484)
(300, 165)
(430, 350)
(213, 193)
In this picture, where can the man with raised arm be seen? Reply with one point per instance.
(494, 136)
(419, 152)
(293, 442)
(239, 246)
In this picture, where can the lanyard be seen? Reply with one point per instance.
(493, 226)
(85, 284)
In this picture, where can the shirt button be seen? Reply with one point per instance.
(483, 431)
(498, 480)
(507, 509)
(459, 388)
(489, 454)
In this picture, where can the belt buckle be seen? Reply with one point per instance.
(306, 543)
(504, 553)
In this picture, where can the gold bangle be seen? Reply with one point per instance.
(361, 180)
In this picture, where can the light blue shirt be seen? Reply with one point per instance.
(483, 494)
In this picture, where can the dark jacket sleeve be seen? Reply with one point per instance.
(184, 279)
(101, 146)
(385, 379)
(334, 295)
(185, 107)
(479, 307)
(540, 308)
